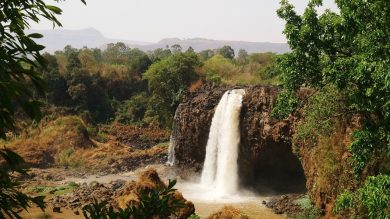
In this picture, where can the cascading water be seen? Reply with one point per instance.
(220, 170)
(172, 139)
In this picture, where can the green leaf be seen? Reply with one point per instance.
(35, 35)
(54, 9)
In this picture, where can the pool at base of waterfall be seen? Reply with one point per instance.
(207, 202)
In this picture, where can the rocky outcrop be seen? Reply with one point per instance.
(268, 161)
(123, 194)
(149, 181)
(195, 115)
(265, 142)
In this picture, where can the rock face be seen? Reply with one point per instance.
(265, 148)
(195, 115)
(266, 161)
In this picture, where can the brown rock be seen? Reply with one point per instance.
(129, 194)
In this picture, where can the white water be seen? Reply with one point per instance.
(220, 170)
(171, 151)
(172, 139)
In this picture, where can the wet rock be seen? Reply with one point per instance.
(115, 185)
(285, 204)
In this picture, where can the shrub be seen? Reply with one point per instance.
(373, 197)
(132, 111)
(194, 216)
(309, 210)
(11, 199)
(156, 202)
(324, 109)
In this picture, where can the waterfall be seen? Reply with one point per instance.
(220, 170)
(172, 139)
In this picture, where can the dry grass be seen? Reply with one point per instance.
(65, 142)
(196, 85)
(228, 212)
(43, 146)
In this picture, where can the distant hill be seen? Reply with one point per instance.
(57, 39)
(199, 44)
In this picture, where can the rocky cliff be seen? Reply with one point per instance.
(267, 162)
(265, 148)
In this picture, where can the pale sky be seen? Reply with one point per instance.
(153, 20)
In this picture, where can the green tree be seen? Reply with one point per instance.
(87, 59)
(168, 80)
(139, 62)
(190, 49)
(206, 54)
(159, 54)
(176, 48)
(219, 66)
(116, 53)
(73, 60)
(242, 56)
(227, 52)
(350, 50)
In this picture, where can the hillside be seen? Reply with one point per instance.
(57, 39)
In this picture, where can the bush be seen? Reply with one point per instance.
(132, 111)
(157, 202)
(168, 80)
(324, 109)
(309, 210)
(373, 197)
(285, 105)
(11, 199)
(194, 216)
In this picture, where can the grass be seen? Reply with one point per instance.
(304, 202)
(309, 210)
(55, 190)
(163, 145)
(54, 142)
(65, 142)
(228, 212)
(68, 159)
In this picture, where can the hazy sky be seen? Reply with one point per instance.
(153, 20)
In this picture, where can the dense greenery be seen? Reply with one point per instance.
(168, 80)
(348, 51)
(371, 196)
(20, 57)
(143, 88)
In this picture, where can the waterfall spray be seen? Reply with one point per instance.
(172, 139)
(220, 170)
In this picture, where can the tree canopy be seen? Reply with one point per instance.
(227, 52)
(20, 57)
(349, 50)
(168, 80)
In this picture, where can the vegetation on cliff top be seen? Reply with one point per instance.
(349, 51)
